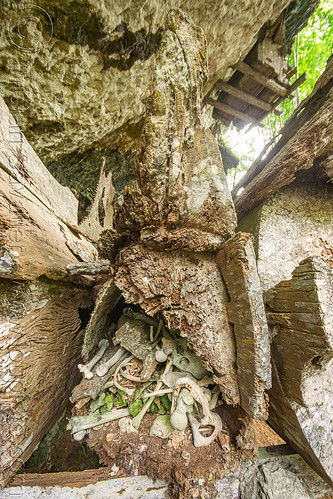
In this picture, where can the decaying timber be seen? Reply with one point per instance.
(100, 216)
(246, 311)
(190, 293)
(38, 215)
(301, 399)
(41, 335)
(107, 298)
(42, 320)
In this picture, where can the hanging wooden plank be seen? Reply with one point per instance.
(244, 96)
(230, 110)
(260, 78)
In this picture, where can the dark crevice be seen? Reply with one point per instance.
(84, 314)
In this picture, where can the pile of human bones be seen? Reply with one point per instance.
(152, 370)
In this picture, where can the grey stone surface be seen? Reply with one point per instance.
(85, 70)
(292, 224)
(139, 487)
(272, 480)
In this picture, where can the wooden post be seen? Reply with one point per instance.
(246, 312)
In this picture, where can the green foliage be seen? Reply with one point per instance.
(135, 408)
(120, 400)
(166, 402)
(315, 46)
(105, 403)
(96, 404)
(109, 401)
(311, 49)
(154, 409)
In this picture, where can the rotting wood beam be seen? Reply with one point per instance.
(244, 96)
(246, 311)
(230, 110)
(290, 90)
(260, 78)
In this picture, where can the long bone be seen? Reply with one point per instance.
(86, 369)
(103, 368)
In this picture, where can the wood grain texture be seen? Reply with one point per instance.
(301, 398)
(37, 215)
(246, 312)
(189, 291)
(41, 335)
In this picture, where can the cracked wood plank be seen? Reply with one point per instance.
(40, 343)
(37, 215)
(246, 312)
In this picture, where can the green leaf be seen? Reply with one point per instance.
(97, 403)
(166, 402)
(135, 408)
(120, 400)
(109, 401)
(154, 409)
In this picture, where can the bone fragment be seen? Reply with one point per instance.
(86, 369)
(80, 423)
(198, 439)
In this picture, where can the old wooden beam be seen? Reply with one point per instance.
(244, 96)
(92, 483)
(290, 90)
(284, 470)
(100, 320)
(40, 349)
(260, 78)
(95, 267)
(301, 398)
(37, 214)
(246, 311)
(230, 110)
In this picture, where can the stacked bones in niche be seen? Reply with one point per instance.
(144, 384)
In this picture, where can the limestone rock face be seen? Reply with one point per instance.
(291, 225)
(83, 70)
(181, 181)
(272, 480)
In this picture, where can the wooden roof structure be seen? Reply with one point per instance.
(258, 85)
(306, 139)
